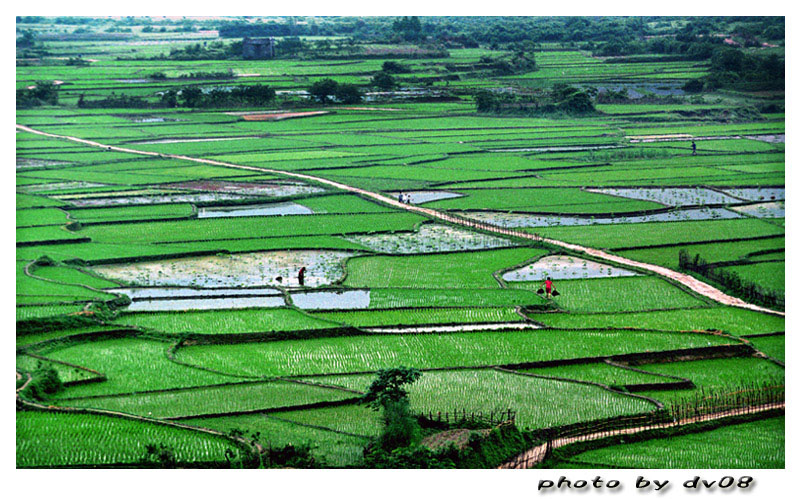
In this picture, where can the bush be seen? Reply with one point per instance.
(44, 382)
(290, 456)
(693, 86)
(348, 94)
(400, 427)
(383, 80)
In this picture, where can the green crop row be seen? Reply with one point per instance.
(366, 318)
(253, 320)
(617, 294)
(250, 227)
(357, 353)
(219, 399)
(55, 439)
(759, 445)
(452, 270)
(729, 319)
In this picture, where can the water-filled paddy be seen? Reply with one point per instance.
(159, 199)
(264, 268)
(430, 238)
(253, 210)
(419, 197)
(671, 196)
(524, 220)
(564, 267)
(332, 300)
(759, 193)
(206, 303)
(775, 209)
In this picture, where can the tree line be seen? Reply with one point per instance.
(738, 286)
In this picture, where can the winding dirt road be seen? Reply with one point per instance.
(688, 281)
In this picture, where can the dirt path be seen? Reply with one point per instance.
(536, 455)
(688, 281)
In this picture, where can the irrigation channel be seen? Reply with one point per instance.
(532, 457)
(688, 281)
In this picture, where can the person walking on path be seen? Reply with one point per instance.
(301, 276)
(694, 149)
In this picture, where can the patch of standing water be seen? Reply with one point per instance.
(177, 293)
(430, 238)
(639, 90)
(510, 220)
(35, 163)
(759, 193)
(670, 196)
(263, 268)
(763, 210)
(332, 300)
(206, 304)
(564, 267)
(171, 198)
(272, 189)
(419, 197)
(779, 138)
(57, 186)
(255, 210)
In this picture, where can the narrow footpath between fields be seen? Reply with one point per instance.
(688, 281)
(535, 455)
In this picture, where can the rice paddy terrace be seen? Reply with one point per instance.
(159, 256)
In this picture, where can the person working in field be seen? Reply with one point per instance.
(301, 276)
(549, 290)
(694, 149)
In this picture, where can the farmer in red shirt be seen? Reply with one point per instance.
(301, 276)
(549, 289)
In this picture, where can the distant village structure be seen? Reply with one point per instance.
(258, 48)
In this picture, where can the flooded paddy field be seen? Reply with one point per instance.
(512, 220)
(331, 300)
(562, 267)
(759, 193)
(763, 210)
(430, 238)
(271, 209)
(258, 269)
(57, 186)
(272, 189)
(99, 202)
(206, 303)
(671, 196)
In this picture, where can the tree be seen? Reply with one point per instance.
(486, 101)
(693, 86)
(394, 67)
(190, 96)
(169, 98)
(160, 455)
(27, 40)
(387, 387)
(400, 427)
(323, 90)
(258, 94)
(383, 80)
(43, 92)
(348, 94)
(290, 46)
